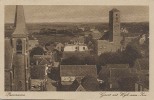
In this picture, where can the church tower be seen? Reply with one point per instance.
(20, 52)
(114, 26)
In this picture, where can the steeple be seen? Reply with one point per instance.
(20, 25)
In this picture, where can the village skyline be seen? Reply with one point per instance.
(77, 13)
(79, 57)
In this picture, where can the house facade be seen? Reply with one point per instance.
(68, 74)
(75, 47)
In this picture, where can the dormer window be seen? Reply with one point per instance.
(19, 46)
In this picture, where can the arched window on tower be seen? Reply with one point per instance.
(19, 46)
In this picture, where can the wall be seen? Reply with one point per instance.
(103, 46)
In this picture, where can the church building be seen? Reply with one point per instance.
(17, 75)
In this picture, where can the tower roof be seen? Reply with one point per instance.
(20, 25)
(115, 10)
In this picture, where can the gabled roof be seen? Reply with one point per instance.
(42, 59)
(90, 83)
(80, 88)
(114, 71)
(75, 85)
(78, 70)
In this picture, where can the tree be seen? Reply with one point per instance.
(131, 53)
(36, 51)
(111, 58)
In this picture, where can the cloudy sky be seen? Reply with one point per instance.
(78, 13)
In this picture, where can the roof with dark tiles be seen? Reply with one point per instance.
(78, 70)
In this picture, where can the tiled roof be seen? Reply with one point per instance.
(42, 59)
(75, 85)
(114, 70)
(119, 72)
(117, 65)
(78, 70)
(90, 83)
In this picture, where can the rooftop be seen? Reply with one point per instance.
(42, 59)
(117, 65)
(88, 83)
(78, 70)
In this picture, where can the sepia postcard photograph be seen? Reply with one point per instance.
(76, 49)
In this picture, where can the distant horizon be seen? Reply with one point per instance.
(77, 13)
(73, 22)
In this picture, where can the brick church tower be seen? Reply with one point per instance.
(20, 53)
(114, 27)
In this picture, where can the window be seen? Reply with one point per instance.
(84, 48)
(116, 19)
(19, 46)
(76, 48)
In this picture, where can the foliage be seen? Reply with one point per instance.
(110, 58)
(37, 51)
(129, 55)
(127, 83)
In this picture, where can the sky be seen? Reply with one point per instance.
(77, 13)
